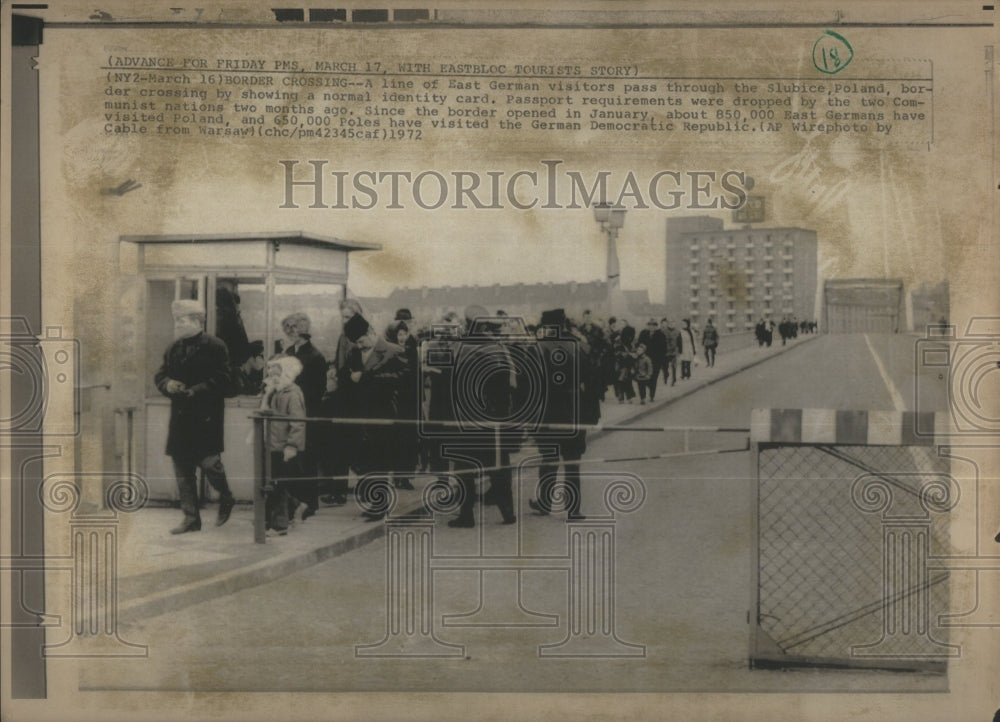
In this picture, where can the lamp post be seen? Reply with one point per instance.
(611, 219)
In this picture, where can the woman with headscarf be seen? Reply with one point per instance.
(312, 381)
(338, 447)
(407, 405)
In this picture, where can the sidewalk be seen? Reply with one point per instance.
(159, 572)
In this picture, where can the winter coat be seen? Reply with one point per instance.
(287, 401)
(201, 363)
(643, 368)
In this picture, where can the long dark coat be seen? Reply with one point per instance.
(312, 380)
(201, 363)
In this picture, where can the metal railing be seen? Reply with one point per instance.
(503, 437)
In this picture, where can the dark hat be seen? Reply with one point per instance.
(256, 348)
(355, 328)
(404, 314)
(553, 317)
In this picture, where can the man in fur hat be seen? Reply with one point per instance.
(494, 394)
(195, 376)
(577, 405)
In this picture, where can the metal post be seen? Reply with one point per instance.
(753, 613)
(129, 435)
(260, 476)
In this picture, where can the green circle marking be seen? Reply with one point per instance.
(831, 53)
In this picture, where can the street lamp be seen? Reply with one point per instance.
(611, 219)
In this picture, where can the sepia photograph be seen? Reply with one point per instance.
(603, 360)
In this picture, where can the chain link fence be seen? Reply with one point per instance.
(844, 533)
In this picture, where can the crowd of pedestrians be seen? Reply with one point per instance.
(788, 328)
(409, 373)
(639, 360)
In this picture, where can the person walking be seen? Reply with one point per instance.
(312, 381)
(376, 367)
(671, 349)
(407, 439)
(286, 440)
(688, 351)
(710, 342)
(655, 341)
(643, 372)
(624, 370)
(580, 405)
(195, 376)
(494, 395)
(338, 450)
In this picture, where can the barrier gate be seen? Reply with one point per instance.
(850, 509)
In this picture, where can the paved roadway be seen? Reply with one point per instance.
(683, 571)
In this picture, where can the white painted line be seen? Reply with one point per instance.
(897, 398)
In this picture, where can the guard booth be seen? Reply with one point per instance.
(251, 280)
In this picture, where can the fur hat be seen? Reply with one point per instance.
(355, 328)
(298, 320)
(553, 317)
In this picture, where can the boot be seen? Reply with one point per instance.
(188, 494)
(186, 526)
(226, 505)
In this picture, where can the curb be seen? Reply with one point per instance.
(262, 572)
(270, 570)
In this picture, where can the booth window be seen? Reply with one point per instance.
(319, 301)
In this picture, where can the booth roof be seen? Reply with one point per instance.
(296, 237)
